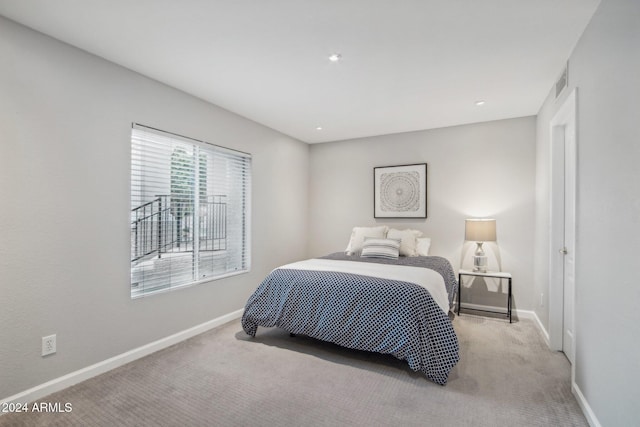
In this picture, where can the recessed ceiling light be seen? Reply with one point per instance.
(480, 103)
(318, 127)
(335, 57)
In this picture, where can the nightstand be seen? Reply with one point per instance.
(491, 274)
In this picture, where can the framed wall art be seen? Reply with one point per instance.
(400, 191)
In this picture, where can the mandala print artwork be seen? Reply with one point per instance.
(400, 192)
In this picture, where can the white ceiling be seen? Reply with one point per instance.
(406, 64)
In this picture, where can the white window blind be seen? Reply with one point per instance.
(189, 211)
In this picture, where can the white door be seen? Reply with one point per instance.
(563, 217)
(568, 249)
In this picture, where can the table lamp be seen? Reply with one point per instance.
(480, 231)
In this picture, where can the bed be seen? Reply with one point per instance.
(396, 306)
(361, 303)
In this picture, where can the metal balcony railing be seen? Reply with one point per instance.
(166, 223)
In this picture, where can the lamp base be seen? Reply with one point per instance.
(480, 264)
(479, 259)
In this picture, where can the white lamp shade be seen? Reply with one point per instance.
(480, 230)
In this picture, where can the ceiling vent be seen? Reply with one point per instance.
(562, 82)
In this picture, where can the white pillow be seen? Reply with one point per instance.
(423, 245)
(408, 240)
(380, 248)
(358, 235)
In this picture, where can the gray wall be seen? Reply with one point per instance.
(65, 122)
(604, 67)
(64, 182)
(478, 170)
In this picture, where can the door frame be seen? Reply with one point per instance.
(563, 162)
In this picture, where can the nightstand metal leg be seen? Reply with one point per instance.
(509, 301)
(459, 291)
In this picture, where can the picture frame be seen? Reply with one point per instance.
(400, 191)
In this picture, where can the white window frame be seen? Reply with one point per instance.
(190, 211)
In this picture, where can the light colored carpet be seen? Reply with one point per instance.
(506, 376)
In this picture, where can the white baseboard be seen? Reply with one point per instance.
(83, 374)
(584, 405)
(543, 331)
(497, 310)
(525, 314)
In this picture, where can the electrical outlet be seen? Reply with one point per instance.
(48, 345)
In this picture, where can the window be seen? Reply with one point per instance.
(189, 211)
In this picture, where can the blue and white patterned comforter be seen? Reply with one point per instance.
(361, 312)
